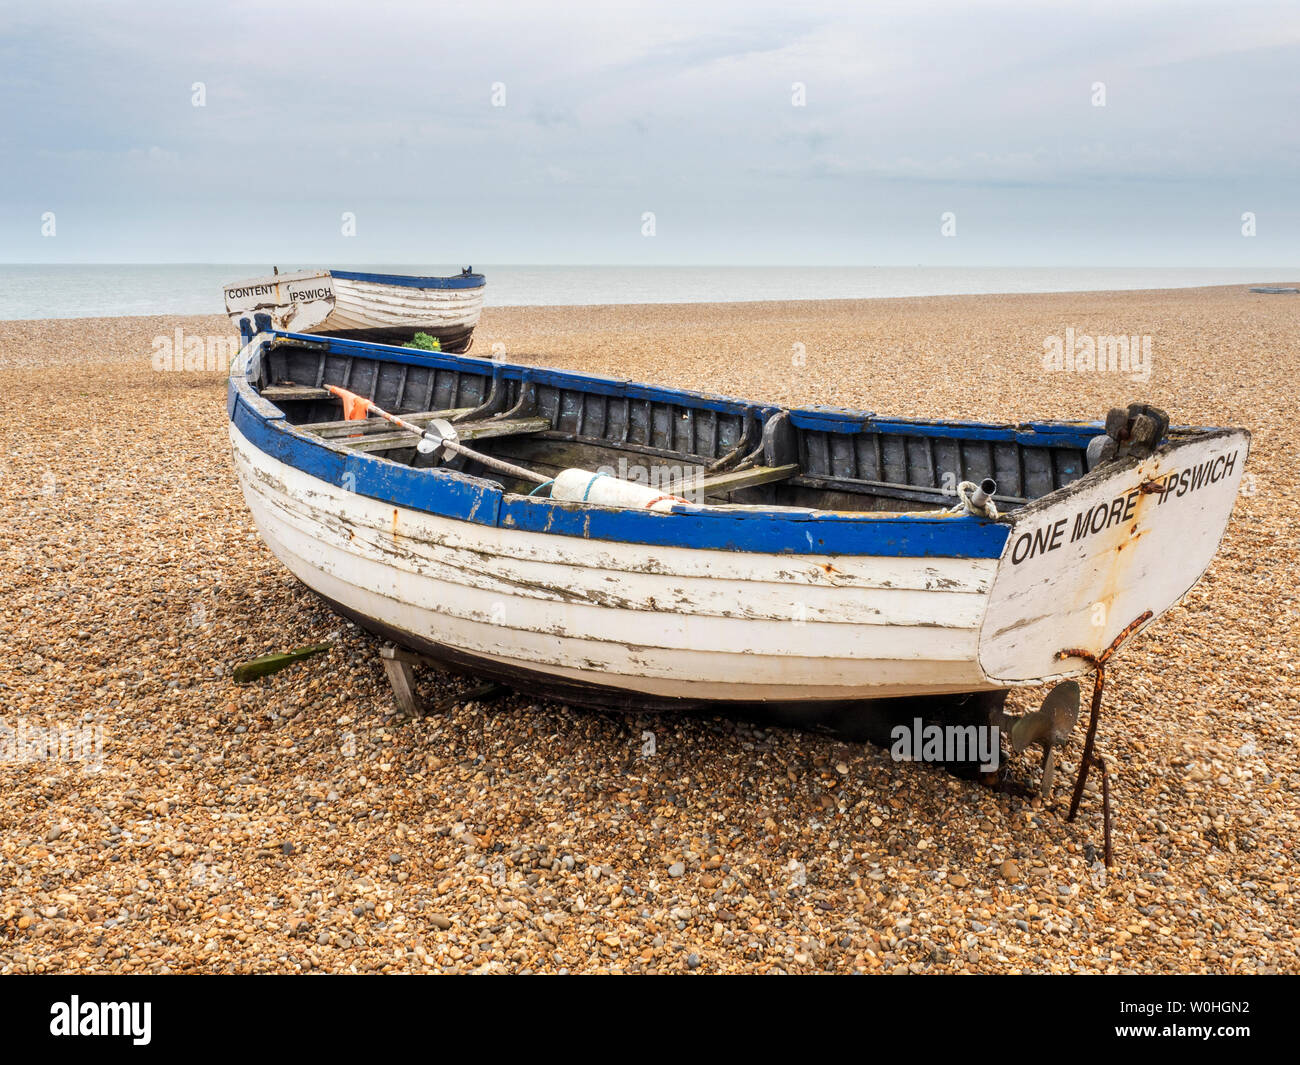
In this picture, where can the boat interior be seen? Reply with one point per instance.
(708, 449)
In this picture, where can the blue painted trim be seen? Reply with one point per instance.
(1058, 434)
(535, 375)
(407, 281)
(445, 492)
(472, 499)
(766, 531)
(466, 498)
(839, 420)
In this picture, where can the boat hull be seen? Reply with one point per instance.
(662, 625)
(715, 603)
(389, 313)
(382, 308)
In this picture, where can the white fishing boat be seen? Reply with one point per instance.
(684, 549)
(386, 308)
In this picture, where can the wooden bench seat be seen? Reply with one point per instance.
(290, 393)
(375, 424)
(467, 431)
(719, 483)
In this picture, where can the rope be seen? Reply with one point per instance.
(964, 492)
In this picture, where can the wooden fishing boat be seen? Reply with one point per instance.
(690, 549)
(389, 308)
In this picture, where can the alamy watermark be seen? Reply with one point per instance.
(114, 1019)
(674, 480)
(1080, 353)
(22, 742)
(182, 352)
(919, 742)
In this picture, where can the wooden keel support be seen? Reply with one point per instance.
(399, 666)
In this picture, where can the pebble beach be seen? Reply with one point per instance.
(180, 822)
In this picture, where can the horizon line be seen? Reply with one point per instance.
(708, 266)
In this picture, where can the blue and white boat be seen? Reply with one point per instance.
(691, 549)
(390, 308)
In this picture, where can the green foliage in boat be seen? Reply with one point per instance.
(424, 342)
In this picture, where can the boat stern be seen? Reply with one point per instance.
(1083, 563)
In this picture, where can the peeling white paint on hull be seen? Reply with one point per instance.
(659, 621)
(363, 306)
(336, 302)
(669, 622)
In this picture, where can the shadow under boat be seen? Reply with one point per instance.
(855, 721)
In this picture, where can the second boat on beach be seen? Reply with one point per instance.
(385, 308)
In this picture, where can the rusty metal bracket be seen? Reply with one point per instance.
(1089, 758)
(1107, 853)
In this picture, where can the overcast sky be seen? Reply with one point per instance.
(686, 110)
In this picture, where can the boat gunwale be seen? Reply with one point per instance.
(428, 281)
(451, 283)
(710, 527)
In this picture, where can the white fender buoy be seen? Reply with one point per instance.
(606, 490)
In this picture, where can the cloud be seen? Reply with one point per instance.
(312, 109)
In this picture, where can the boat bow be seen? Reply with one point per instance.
(1081, 564)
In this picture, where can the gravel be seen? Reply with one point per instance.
(295, 825)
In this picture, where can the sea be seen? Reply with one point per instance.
(111, 290)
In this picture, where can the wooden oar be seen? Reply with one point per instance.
(438, 435)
